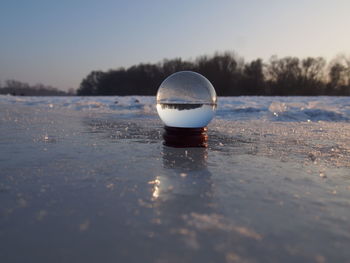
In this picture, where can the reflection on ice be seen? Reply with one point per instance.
(187, 177)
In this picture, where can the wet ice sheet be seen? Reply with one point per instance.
(89, 185)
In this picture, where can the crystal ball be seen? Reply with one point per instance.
(186, 99)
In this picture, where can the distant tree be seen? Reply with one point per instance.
(144, 79)
(113, 82)
(337, 80)
(169, 67)
(15, 87)
(89, 85)
(312, 68)
(14, 84)
(339, 76)
(253, 79)
(285, 76)
(223, 70)
(312, 76)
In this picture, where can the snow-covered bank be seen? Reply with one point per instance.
(229, 108)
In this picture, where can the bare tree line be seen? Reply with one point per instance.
(18, 88)
(229, 73)
(231, 76)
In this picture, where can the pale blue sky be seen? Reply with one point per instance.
(59, 42)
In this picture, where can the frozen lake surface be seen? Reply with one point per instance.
(87, 179)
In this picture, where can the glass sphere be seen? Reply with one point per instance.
(186, 99)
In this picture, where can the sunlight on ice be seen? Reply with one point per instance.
(156, 187)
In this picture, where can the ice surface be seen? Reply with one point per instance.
(87, 179)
